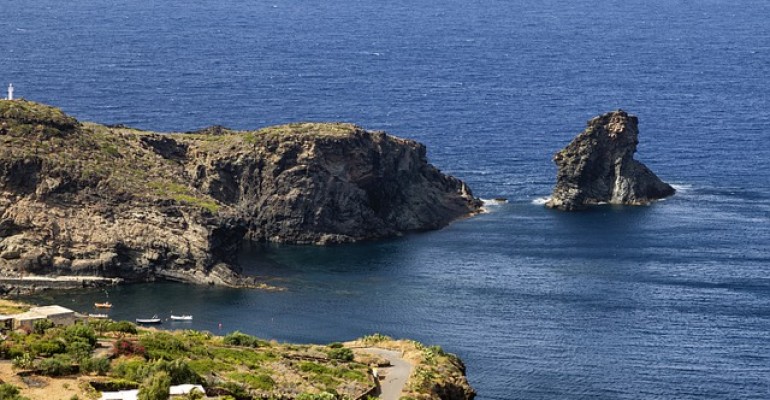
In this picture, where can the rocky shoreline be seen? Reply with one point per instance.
(83, 199)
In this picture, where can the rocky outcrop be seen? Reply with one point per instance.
(598, 167)
(87, 199)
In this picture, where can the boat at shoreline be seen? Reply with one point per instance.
(98, 316)
(154, 320)
(106, 304)
(181, 317)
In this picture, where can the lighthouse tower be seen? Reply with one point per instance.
(10, 92)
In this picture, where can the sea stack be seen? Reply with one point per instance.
(598, 167)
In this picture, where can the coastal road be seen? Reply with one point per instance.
(393, 378)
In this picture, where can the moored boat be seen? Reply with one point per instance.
(153, 320)
(100, 316)
(106, 304)
(181, 317)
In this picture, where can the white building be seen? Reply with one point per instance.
(57, 314)
(176, 390)
(10, 92)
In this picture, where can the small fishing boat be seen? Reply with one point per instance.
(106, 304)
(153, 320)
(181, 317)
(99, 316)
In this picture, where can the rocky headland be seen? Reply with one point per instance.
(598, 167)
(83, 199)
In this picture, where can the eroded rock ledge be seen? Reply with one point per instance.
(88, 199)
(598, 167)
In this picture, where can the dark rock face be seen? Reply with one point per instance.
(598, 167)
(90, 200)
(298, 188)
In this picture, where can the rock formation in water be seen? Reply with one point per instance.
(87, 199)
(599, 167)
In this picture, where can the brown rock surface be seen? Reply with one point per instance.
(87, 199)
(598, 167)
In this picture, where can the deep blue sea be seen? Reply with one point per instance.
(669, 301)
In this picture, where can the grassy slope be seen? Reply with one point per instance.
(114, 160)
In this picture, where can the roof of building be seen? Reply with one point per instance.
(121, 395)
(184, 389)
(41, 312)
(51, 310)
(132, 394)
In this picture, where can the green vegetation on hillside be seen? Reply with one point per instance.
(113, 161)
(120, 162)
(238, 364)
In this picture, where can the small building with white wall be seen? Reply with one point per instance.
(57, 314)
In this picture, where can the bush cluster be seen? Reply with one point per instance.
(342, 354)
(10, 392)
(241, 339)
(125, 347)
(138, 370)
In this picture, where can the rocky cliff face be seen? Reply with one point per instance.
(599, 167)
(86, 199)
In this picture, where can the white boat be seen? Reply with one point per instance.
(153, 320)
(100, 316)
(181, 317)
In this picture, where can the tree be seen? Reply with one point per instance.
(156, 387)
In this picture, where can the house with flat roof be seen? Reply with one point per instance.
(57, 314)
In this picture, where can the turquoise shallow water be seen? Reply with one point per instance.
(667, 301)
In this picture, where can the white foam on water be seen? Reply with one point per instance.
(681, 188)
(494, 202)
(540, 201)
(490, 205)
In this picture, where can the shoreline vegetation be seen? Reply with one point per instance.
(80, 360)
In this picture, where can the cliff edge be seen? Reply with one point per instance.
(88, 199)
(598, 167)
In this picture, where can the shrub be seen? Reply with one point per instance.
(80, 332)
(58, 365)
(42, 325)
(120, 326)
(79, 349)
(47, 347)
(317, 396)
(10, 392)
(335, 345)
(342, 354)
(375, 338)
(241, 339)
(12, 352)
(125, 347)
(133, 369)
(162, 345)
(178, 371)
(23, 361)
(114, 385)
(138, 370)
(237, 391)
(98, 365)
(155, 387)
(259, 382)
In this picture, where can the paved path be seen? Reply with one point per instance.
(393, 377)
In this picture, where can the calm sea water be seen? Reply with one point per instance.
(667, 301)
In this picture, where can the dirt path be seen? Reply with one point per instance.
(393, 378)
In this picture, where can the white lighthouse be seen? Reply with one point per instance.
(10, 92)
